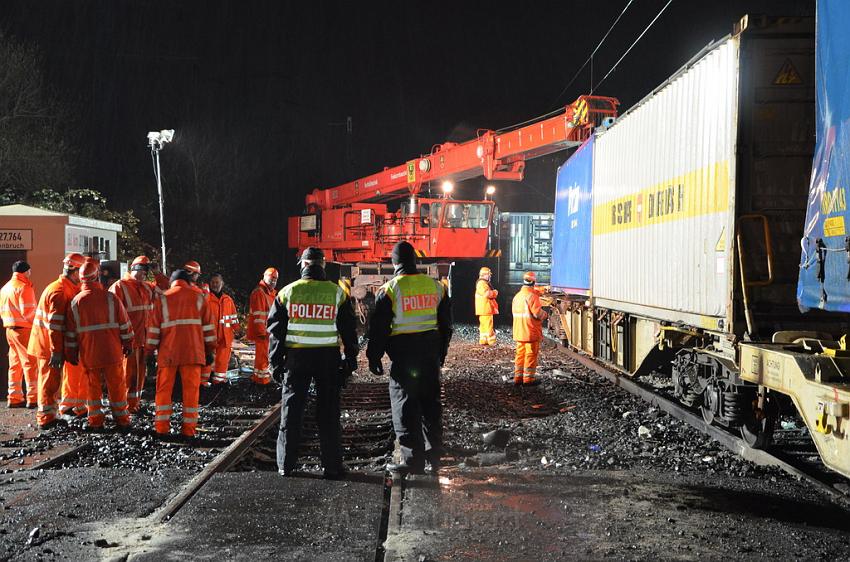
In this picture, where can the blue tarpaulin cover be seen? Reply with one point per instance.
(573, 215)
(824, 269)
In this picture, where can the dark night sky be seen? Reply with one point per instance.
(260, 89)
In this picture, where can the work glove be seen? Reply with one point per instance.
(376, 367)
(128, 351)
(209, 357)
(56, 360)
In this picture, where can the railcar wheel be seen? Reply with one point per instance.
(757, 429)
(710, 404)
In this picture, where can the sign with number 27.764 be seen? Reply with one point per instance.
(15, 239)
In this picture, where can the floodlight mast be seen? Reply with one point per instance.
(156, 140)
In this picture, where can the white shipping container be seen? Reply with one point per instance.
(663, 191)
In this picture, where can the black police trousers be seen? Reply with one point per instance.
(304, 365)
(415, 398)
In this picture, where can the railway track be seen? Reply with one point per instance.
(367, 440)
(794, 454)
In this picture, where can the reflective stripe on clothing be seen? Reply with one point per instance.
(526, 307)
(17, 302)
(49, 324)
(415, 299)
(259, 304)
(97, 329)
(312, 307)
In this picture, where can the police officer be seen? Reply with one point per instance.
(307, 320)
(412, 323)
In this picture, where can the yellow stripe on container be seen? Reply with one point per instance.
(700, 192)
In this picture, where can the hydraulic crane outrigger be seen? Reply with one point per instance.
(354, 226)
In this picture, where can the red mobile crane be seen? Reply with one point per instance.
(355, 227)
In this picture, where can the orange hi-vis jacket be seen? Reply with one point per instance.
(526, 309)
(137, 298)
(223, 311)
(17, 302)
(485, 299)
(258, 310)
(97, 328)
(181, 327)
(48, 328)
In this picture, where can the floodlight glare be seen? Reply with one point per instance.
(491, 189)
(448, 187)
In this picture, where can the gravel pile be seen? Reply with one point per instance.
(574, 420)
(225, 413)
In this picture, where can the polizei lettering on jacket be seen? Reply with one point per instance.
(298, 311)
(419, 302)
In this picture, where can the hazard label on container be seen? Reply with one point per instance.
(787, 75)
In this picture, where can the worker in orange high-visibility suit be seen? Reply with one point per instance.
(223, 311)
(486, 307)
(98, 334)
(528, 316)
(17, 309)
(194, 269)
(182, 332)
(136, 295)
(47, 345)
(206, 370)
(258, 314)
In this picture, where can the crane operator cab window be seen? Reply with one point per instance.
(432, 219)
(466, 215)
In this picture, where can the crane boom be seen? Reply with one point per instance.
(352, 223)
(496, 156)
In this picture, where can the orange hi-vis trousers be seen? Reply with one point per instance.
(134, 378)
(22, 367)
(49, 383)
(74, 390)
(222, 361)
(113, 375)
(261, 375)
(190, 378)
(525, 361)
(486, 331)
(206, 372)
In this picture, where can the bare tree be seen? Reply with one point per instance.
(33, 152)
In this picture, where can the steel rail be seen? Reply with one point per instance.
(221, 463)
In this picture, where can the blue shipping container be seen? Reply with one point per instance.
(573, 215)
(824, 268)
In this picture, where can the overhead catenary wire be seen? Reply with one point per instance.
(589, 59)
(576, 75)
(613, 68)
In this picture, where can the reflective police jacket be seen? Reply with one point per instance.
(409, 308)
(311, 313)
